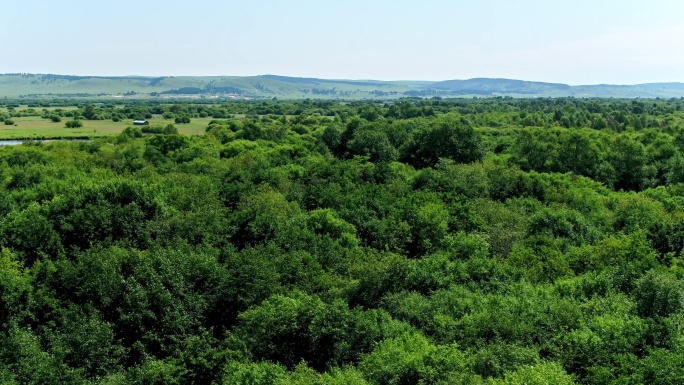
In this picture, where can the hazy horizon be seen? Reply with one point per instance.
(614, 42)
(333, 79)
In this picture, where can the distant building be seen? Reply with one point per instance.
(141, 123)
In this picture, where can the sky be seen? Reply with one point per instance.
(574, 42)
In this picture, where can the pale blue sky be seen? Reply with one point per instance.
(575, 42)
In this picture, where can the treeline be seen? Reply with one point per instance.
(352, 248)
(614, 114)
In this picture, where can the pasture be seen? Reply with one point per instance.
(35, 127)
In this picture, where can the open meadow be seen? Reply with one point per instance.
(35, 127)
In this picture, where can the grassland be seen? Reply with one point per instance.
(26, 107)
(37, 128)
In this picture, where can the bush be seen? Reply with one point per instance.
(156, 129)
(73, 124)
(182, 119)
(9, 122)
(55, 118)
(170, 129)
(133, 132)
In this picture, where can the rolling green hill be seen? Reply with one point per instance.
(270, 86)
(267, 86)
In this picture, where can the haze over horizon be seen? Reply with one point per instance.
(614, 42)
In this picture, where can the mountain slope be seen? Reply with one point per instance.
(269, 86)
(502, 86)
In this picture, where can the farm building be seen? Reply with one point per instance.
(141, 123)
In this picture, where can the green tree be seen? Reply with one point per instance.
(658, 294)
(412, 359)
(533, 152)
(578, 154)
(374, 144)
(541, 374)
(675, 169)
(447, 137)
(89, 112)
(628, 159)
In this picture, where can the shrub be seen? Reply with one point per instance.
(182, 119)
(73, 124)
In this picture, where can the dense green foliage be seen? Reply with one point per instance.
(71, 123)
(436, 242)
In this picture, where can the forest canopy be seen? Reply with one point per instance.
(484, 241)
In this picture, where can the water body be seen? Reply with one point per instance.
(16, 142)
(11, 142)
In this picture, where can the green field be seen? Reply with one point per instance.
(4, 110)
(36, 127)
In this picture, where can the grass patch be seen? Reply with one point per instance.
(35, 127)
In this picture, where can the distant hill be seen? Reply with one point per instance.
(284, 87)
(488, 86)
(508, 87)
